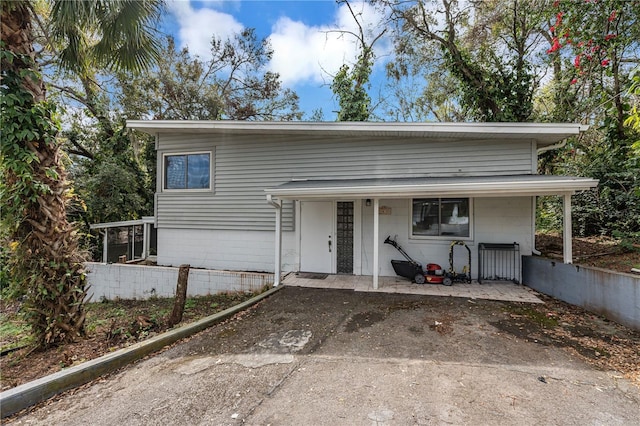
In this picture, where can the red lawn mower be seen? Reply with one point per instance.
(412, 270)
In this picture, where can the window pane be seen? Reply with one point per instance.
(425, 217)
(198, 173)
(454, 216)
(175, 171)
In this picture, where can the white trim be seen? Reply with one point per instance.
(190, 190)
(145, 219)
(277, 270)
(447, 238)
(376, 243)
(567, 249)
(299, 235)
(453, 189)
(543, 133)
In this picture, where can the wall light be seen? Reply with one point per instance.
(368, 202)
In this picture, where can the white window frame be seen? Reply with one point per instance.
(164, 171)
(440, 237)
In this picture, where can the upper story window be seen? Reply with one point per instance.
(441, 217)
(187, 171)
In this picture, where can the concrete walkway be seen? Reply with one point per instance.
(488, 290)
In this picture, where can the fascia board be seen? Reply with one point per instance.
(364, 128)
(461, 189)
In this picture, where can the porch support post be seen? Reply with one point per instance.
(145, 240)
(277, 204)
(566, 229)
(376, 237)
(105, 245)
(278, 271)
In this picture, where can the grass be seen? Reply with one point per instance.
(121, 320)
(14, 332)
(543, 319)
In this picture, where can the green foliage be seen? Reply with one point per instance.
(614, 206)
(232, 85)
(43, 254)
(351, 89)
(488, 47)
(105, 33)
(589, 46)
(549, 214)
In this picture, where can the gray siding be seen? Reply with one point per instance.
(247, 164)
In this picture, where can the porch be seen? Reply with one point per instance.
(491, 290)
(481, 221)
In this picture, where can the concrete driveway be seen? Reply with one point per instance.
(317, 356)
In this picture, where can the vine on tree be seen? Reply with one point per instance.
(44, 257)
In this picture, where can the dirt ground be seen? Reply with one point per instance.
(601, 252)
(318, 356)
(110, 325)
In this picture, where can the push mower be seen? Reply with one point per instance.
(451, 275)
(413, 270)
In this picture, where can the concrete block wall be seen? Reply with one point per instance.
(110, 281)
(222, 249)
(614, 295)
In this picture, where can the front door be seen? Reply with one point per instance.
(316, 236)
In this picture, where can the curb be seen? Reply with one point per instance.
(28, 394)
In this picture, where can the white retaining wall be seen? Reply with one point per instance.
(110, 281)
(615, 295)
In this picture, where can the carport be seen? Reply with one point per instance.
(375, 190)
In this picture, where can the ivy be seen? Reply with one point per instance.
(42, 260)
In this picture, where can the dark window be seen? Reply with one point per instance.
(187, 171)
(440, 217)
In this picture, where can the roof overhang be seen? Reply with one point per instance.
(544, 133)
(473, 186)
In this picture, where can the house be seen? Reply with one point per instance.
(322, 197)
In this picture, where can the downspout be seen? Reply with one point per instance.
(277, 204)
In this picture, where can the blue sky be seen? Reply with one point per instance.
(306, 52)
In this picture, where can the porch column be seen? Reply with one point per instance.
(145, 240)
(278, 262)
(376, 237)
(105, 245)
(566, 229)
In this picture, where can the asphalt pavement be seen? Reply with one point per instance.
(320, 356)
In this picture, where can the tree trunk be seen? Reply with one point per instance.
(47, 259)
(181, 296)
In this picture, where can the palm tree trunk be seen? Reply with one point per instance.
(46, 259)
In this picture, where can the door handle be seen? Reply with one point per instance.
(329, 245)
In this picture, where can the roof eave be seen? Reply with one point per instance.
(545, 133)
(501, 189)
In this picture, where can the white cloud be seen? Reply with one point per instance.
(314, 53)
(198, 26)
(302, 53)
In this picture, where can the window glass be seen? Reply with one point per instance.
(188, 171)
(440, 217)
(175, 171)
(198, 171)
